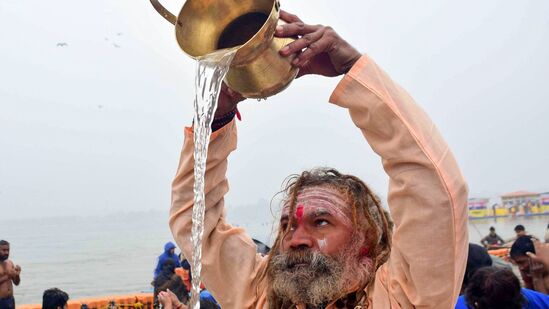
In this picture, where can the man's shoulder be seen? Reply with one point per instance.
(6, 264)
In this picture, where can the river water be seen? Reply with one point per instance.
(535, 225)
(116, 254)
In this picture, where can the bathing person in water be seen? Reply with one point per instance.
(492, 239)
(336, 246)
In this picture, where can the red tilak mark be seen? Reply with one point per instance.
(299, 213)
(238, 115)
(364, 251)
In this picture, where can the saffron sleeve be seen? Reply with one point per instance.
(427, 192)
(229, 260)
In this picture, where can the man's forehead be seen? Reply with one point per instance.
(319, 196)
(318, 201)
(309, 209)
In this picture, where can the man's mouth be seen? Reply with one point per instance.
(300, 265)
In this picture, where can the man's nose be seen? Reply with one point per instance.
(300, 238)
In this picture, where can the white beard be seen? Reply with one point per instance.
(319, 279)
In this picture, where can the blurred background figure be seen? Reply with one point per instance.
(488, 285)
(169, 254)
(54, 298)
(533, 263)
(169, 300)
(168, 280)
(492, 240)
(207, 300)
(493, 287)
(9, 275)
(520, 231)
(477, 258)
(185, 273)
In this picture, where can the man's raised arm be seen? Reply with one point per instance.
(427, 193)
(229, 259)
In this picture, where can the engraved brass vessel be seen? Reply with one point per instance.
(204, 26)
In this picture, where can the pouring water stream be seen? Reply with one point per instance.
(211, 70)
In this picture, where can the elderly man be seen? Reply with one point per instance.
(336, 247)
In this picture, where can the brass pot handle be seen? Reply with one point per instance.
(164, 12)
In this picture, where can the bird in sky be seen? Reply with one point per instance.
(62, 44)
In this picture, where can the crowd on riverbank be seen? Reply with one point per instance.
(488, 279)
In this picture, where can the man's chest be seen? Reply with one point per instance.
(4, 268)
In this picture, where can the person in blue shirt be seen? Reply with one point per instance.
(493, 287)
(207, 300)
(169, 253)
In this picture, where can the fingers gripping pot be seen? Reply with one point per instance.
(204, 26)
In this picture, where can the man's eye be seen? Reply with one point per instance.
(321, 222)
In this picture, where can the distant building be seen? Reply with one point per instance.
(520, 203)
(478, 207)
(518, 198)
(544, 198)
(544, 201)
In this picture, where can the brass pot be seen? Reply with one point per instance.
(204, 26)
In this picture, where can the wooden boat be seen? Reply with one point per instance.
(133, 301)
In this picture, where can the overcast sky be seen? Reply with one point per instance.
(95, 125)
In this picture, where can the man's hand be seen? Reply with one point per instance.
(541, 256)
(15, 275)
(228, 100)
(539, 267)
(320, 50)
(17, 270)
